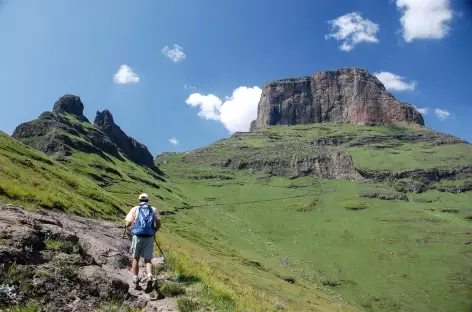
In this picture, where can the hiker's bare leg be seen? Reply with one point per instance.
(135, 267)
(148, 266)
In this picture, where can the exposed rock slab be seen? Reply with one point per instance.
(326, 165)
(89, 268)
(349, 95)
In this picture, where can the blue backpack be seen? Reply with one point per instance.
(144, 225)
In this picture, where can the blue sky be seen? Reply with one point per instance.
(50, 48)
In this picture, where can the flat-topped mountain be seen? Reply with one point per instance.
(349, 95)
(66, 128)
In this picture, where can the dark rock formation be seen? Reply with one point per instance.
(459, 188)
(424, 175)
(134, 150)
(56, 133)
(66, 129)
(70, 104)
(384, 195)
(349, 95)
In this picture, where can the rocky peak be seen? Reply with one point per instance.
(129, 146)
(70, 104)
(104, 119)
(349, 95)
(55, 133)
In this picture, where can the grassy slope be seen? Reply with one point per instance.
(107, 189)
(393, 256)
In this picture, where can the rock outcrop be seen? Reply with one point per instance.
(66, 129)
(134, 150)
(70, 104)
(88, 261)
(329, 164)
(349, 95)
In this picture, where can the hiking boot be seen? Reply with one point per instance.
(149, 283)
(136, 282)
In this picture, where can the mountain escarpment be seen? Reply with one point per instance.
(349, 95)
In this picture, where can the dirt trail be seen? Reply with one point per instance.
(87, 260)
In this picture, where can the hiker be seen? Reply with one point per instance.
(145, 225)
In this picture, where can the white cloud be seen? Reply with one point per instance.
(175, 54)
(125, 75)
(236, 112)
(395, 82)
(423, 111)
(442, 113)
(424, 19)
(189, 87)
(351, 29)
(174, 141)
(209, 105)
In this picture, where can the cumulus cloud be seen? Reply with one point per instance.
(442, 113)
(189, 87)
(395, 82)
(423, 111)
(235, 112)
(209, 105)
(125, 75)
(175, 54)
(174, 141)
(351, 29)
(424, 19)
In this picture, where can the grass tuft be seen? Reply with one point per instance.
(187, 305)
(170, 289)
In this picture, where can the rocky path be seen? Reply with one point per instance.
(70, 263)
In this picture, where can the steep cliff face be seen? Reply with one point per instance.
(131, 148)
(350, 95)
(66, 129)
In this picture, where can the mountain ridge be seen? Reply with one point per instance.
(66, 128)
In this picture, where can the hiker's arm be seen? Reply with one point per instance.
(129, 218)
(157, 216)
(158, 224)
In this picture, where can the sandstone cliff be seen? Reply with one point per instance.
(66, 128)
(349, 95)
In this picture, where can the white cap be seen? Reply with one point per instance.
(143, 196)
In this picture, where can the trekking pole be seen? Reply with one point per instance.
(124, 232)
(162, 253)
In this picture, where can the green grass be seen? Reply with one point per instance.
(116, 307)
(259, 231)
(259, 241)
(29, 307)
(170, 289)
(187, 305)
(30, 178)
(411, 156)
(389, 256)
